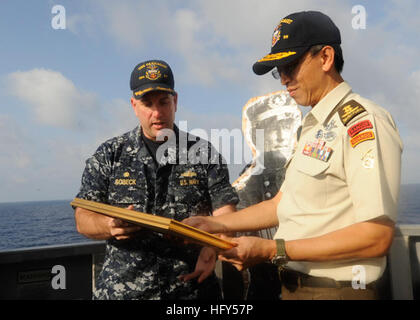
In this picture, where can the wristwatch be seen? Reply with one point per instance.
(281, 257)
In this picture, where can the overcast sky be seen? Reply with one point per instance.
(64, 91)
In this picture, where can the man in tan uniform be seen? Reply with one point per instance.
(337, 207)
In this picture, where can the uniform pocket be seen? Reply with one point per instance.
(127, 186)
(310, 183)
(311, 166)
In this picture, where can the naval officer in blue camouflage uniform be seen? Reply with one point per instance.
(141, 170)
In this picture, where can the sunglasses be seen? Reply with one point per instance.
(287, 70)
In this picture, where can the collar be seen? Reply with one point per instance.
(321, 111)
(171, 152)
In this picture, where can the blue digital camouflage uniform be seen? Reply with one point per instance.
(122, 172)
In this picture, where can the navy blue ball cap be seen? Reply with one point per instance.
(151, 75)
(294, 35)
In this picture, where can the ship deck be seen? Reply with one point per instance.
(32, 273)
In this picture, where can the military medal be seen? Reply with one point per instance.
(317, 150)
(319, 134)
(330, 126)
(327, 134)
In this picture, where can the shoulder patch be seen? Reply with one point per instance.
(368, 135)
(359, 127)
(349, 110)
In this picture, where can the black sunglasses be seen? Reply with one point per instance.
(286, 70)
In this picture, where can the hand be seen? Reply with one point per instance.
(206, 263)
(122, 230)
(250, 251)
(205, 223)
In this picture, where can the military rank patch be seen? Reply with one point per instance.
(189, 174)
(188, 178)
(359, 127)
(317, 150)
(349, 110)
(368, 135)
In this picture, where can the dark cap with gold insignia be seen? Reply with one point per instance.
(294, 35)
(151, 75)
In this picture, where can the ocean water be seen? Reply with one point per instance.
(30, 224)
(40, 223)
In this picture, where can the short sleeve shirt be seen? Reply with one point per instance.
(345, 170)
(121, 173)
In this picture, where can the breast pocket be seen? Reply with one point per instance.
(311, 166)
(127, 186)
(190, 192)
(311, 181)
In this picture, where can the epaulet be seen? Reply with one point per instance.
(349, 110)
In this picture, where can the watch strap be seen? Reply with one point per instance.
(281, 257)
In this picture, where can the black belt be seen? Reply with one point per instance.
(299, 279)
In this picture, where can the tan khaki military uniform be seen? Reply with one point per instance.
(345, 170)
